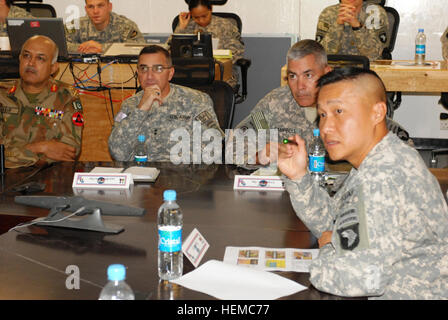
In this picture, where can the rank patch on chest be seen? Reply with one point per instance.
(49, 113)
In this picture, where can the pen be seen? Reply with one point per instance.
(286, 141)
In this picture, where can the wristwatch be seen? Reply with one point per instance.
(357, 28)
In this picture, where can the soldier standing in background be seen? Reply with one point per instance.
(100, 28)
(158, 109)
(384, 234)
(353, 27)
(7, 10)
(200, 18)
(41, 119)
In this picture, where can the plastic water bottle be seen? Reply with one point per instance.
(169, 222)
(316, 156)
(116, 288)
(141, 156)
(420, 47)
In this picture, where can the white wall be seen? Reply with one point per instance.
(418, 114)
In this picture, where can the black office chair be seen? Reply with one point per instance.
(192, 72)
(346, 60)
(199, 73)
(242, 63)
(37, 8)
(394, 22)
(9, 68)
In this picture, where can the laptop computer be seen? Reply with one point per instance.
(21, 29)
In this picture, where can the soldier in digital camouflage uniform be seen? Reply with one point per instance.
(353, 27)
(100, 28)
(7, 10)
(444, 40)
(159, 109)
(384, 234)
(200, 18)
(51, 118)
(286, 108)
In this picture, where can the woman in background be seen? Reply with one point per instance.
(200, 18)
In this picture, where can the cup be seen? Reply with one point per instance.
(215, 43)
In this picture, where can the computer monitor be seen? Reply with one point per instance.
(191, 45)
(21, 29)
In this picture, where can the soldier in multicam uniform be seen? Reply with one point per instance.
(159, 109)
(444, 40)
(100, 28)
(41, 119)
(7, 10)
(353, 27)
(290, 109)
(384, 234)
(200, 18)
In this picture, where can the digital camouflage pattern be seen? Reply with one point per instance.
(369, 40)
(180, 108)
(47, 117)
(229, 38)
(14, 12)
(444, 40)
(120, 29)
(390, 227)
(281, 112)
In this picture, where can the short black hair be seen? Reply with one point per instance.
(196, 3)
(345, 73)
(153, 48)
(348, 73)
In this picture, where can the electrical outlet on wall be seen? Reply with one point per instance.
(444, 121)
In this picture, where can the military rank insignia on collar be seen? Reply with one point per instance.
(49, 113)
(12, 90)
(54, 88)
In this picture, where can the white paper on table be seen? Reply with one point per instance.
(230, 282)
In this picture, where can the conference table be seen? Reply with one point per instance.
(34, 259)
(406, 79)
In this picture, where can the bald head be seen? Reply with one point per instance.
(45, 41)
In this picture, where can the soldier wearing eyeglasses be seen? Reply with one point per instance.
(158, 109)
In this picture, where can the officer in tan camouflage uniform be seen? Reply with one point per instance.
(200, 18)
(100, 28)
(40, 118)
(384, 234)
(159, 109)
(7, 10)
(353, 27)
(291, 109)
(444, 40)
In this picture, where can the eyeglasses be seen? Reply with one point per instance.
(157, 68)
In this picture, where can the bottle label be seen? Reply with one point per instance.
(317, 164)
(170, 238)
(141, 158)
(420, 49)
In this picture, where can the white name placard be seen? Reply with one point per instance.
(260, 183)
(195, 247)
(102, 180)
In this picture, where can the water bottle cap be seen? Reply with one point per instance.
(421, 30)
(316, 132)
(141, 138)
(116, 272)
(169, 195)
